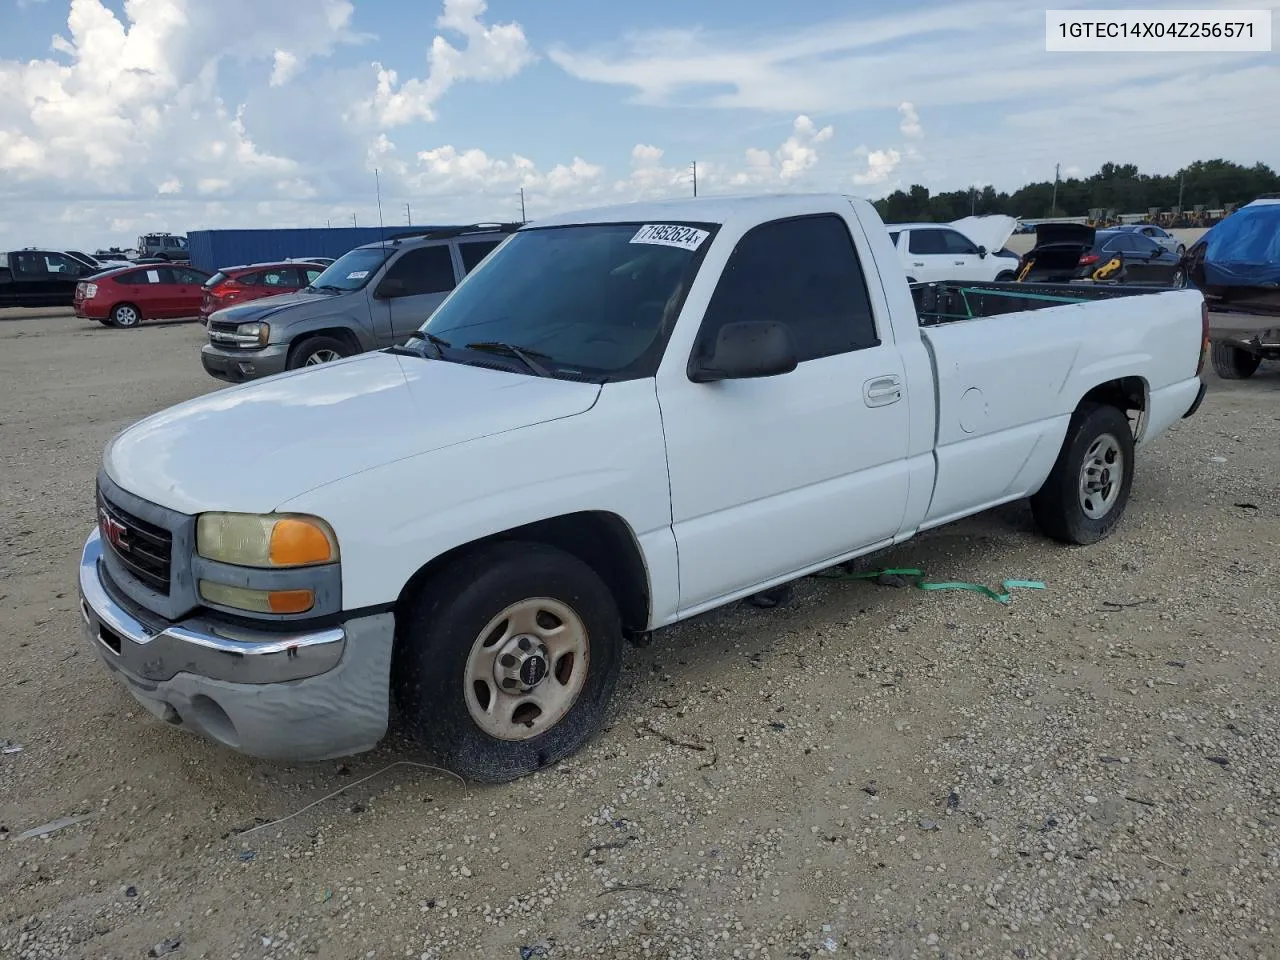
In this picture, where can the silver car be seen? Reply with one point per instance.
(1158, 235)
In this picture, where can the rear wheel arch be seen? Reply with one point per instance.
(1129, 395)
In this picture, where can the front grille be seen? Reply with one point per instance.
(144, 549)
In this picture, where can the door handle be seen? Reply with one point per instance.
(917, 263)
(882, 391)
(959, 263)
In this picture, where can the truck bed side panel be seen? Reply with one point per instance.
(1007, 386)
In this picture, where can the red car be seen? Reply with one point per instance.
(234, 285)
(126, 297)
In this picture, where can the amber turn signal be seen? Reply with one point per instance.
(297, 543)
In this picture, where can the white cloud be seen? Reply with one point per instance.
(880, 165)
(491, 54)
(169, 187)
(910, 125)
(285, 69)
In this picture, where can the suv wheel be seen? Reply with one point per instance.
(317, 350)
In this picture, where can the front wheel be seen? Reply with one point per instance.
(317, 350)
(1006, 276)
(506, 662)
(1232, 363)
(1088, 488)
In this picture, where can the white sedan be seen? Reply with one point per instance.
(1157, 234)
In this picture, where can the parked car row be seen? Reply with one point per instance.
(1071, 252)
(374, 296)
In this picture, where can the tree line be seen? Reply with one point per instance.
(1116, 186)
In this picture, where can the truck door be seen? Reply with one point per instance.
(773, 475)
(420, 280)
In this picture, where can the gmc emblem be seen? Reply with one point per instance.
(113, 530)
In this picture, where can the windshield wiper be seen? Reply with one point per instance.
(440, 344)
(326, 286)
(511, 350)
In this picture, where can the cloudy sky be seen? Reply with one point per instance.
(118, 116)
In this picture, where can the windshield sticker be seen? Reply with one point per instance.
(670, 235)
(357, 274)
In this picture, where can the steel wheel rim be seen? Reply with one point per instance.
(126, 316)
(322, 356)
(1178, 279)
(1101, 476)
(526, 669)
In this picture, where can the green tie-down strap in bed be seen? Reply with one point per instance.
(1003, 596)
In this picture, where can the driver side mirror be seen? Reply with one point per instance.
(390, 288)
(746, 350)
(982, 253)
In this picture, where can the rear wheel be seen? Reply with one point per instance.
(1233, 363)
(317, 350)
(506, 662)
(1088, 488)
(125, 315)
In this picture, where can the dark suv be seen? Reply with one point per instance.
(372, 297)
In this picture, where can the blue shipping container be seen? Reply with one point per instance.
(214, 249)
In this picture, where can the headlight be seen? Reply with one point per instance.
(260, 331)
(265, 540)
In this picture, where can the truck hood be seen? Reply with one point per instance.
(252, 447)
(992, 232)
(265, 308)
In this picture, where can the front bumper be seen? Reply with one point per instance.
(237, 366)
(303, 696)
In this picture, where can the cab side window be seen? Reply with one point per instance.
(803, 272)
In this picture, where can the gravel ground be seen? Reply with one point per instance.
(1088, 771)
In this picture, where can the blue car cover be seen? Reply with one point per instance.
(1244, 249)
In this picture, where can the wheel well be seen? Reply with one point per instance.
(1128, 395)
(599, 539)
(338, 333)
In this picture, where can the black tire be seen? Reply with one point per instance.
(305, 352)
(437, 631)
(1006, 276)
(125, 315)
(1233, 363)
(1059, 506)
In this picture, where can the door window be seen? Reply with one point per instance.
(926, 242)
(473, 253)
(803, 272)
(59, 263)
(957, 244)
(425, 270)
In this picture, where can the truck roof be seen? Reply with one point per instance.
(718, 209)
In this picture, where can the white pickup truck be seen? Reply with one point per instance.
(624, 417)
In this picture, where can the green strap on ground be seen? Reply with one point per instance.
(1000, 596)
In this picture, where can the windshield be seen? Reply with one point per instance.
(593, 301)
(352, 270)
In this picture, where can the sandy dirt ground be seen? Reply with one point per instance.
(869, 771)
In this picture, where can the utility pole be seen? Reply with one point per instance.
(1054, 206)
(327, 224)
(695, 178)
(408, 215)
(522, 216)
(973, 200)
(1182, 182)
(353, 220)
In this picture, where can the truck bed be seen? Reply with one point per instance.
(952, 301)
